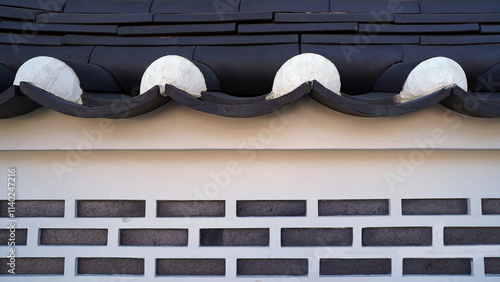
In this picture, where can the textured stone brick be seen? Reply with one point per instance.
(490, 206)
(209, 267)
(73, 236)
(19, 239)
(471, 235)
(492, 265)
(34, 208)
(434, 206)
(353, 207)
(111, 208)
(397, 236)
(154, 237)
(316, 236)
(130, 266)
(191, 208)
(355, 266)
(271, 208)
(34, 266)
(234, 237)
(291, 267)
(437, 266)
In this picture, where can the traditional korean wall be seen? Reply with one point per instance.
(305, 193)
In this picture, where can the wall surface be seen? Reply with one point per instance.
(271, 198)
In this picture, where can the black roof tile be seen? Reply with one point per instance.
(490, 28)
(176, 29)
(359, 39)
(59, 28)
(195, 6)
(108, 6)
(118, 41)
(459, 6)
(458, 39)
(75, 18)
(214, 17)
(418, 28)
(18, 13)
(29, 39)
(332, 17)
(285, 5)
(296, 27)
(447, 18)
(238, 40)
(55, 6)
(379, 7)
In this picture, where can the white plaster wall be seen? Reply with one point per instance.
(310, 153)
(302, 175)
(304, 124)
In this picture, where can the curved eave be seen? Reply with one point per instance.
(468, 103)
(13, 103)
(367, 108)
(134, 106)
(236, 109)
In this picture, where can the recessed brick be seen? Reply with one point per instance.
(437, 266)
(271, 208)
(234, 237)
(290, 267)
(353, 207)
(18, 237)
(434, 206)
(73, 236)
(191, 208)
(316, 236)
(111, 208)
(103, 266)
(34, 208)
(490, 206)
(471, 235)
(492, 266)
(397, 236)
(355, 267)
(154, 237)
(206, 267)
(34, 266)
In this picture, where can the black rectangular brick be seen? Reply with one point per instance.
(34, 266)
(353, 207)
(214, 17)
(359, 39)
(492, 266)
(111, 208)
(355, 267)
(75, 18)
(437, 266)
(434, 206)
(190, 208)
(271, 208)
(191, 267)
(316, 236)
(471, 235)
(34, 208)
(154, 237)
(397, 236)
(129, 266)
(234, 237)
(73, 236)
(18, 237)
(490, 206)
(290, 267)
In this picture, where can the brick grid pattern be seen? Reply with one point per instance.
(246, 237)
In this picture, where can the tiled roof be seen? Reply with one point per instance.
(240, 45)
